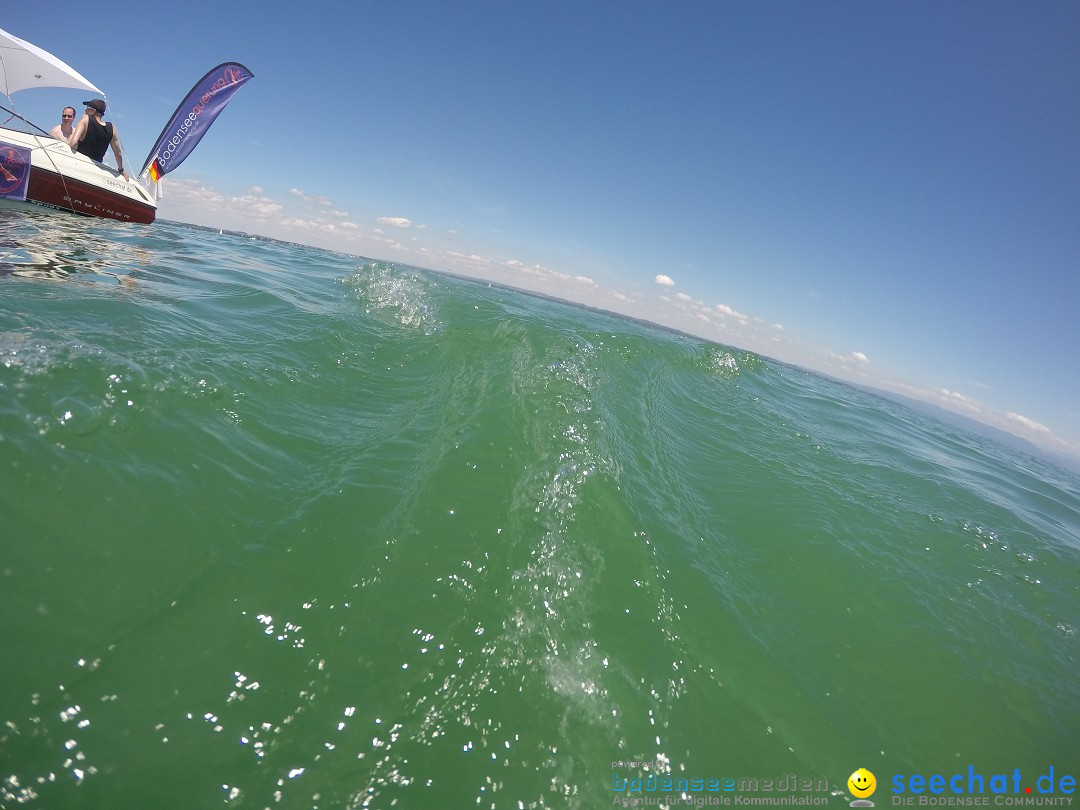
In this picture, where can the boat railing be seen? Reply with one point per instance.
(19, 123)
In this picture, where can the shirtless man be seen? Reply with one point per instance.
(92, 136)
(63, 130)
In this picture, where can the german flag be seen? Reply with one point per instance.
(155, 171)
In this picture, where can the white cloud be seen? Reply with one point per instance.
(394, 222)
(325, 201)
(191, 193)
(857, 357)
(309, 225)
(388, 241)
(258, 206)
(548, 275)
(728, 312)
(953, 395)
(473, 261)
(664, 281)
(1030, 424)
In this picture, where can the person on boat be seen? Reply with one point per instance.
(92, 136)
(63, 130)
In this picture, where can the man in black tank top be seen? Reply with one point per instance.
(93, 136)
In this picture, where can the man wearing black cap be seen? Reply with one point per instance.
(93, 136)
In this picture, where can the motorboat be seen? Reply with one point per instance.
(38, 171)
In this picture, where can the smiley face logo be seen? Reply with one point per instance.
(862, 783)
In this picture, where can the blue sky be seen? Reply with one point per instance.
(886, 192)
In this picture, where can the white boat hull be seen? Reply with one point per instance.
(64, 180)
